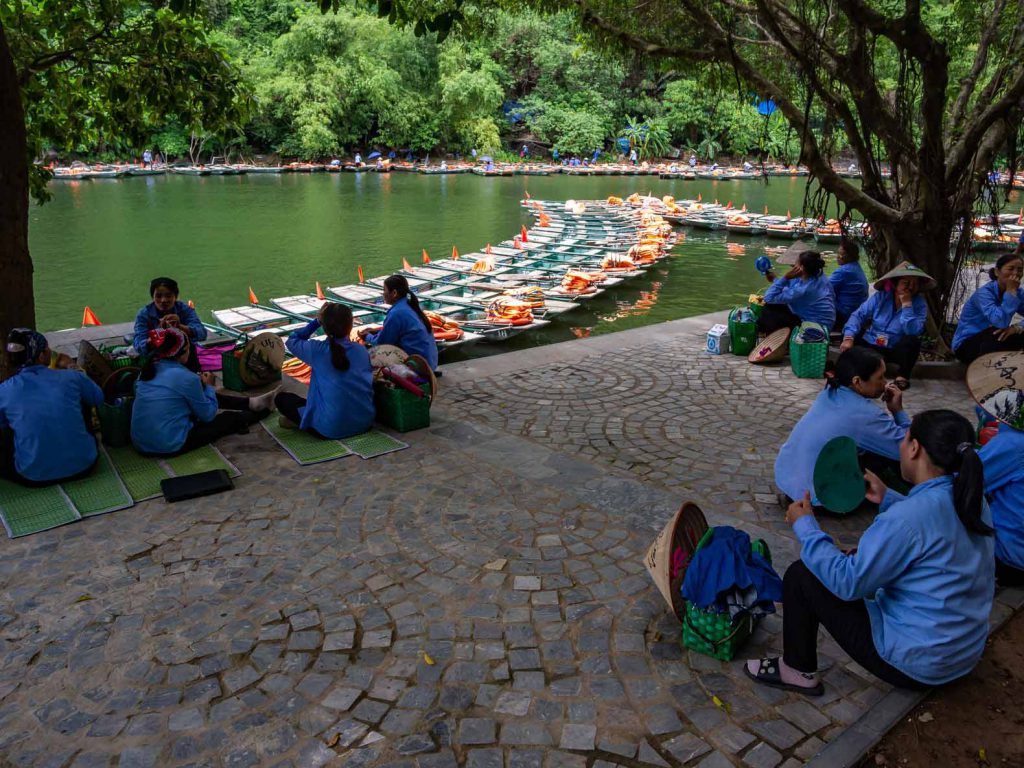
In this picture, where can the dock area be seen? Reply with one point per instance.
(478, 599)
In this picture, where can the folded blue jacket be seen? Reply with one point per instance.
(725, 564)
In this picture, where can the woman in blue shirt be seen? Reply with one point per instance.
(175, 410)
(892, 320)
(848, 282)
(165, 311)
(405, 325)
(45, 439)
(340, 401)
(911, 603)
(801, 294)
(985, 323)
(1003, 459)
(847, 407)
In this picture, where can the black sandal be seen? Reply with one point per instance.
(768, 674)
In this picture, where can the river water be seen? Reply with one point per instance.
(99, 242)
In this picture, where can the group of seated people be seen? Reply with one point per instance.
(911, 602)
(892, 320)
(46, 411)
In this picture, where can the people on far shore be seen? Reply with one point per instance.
(44, 437)
(848, 281)
(147, 159)
(986, 320)
(803, 294)
(405, 325)
(911, 603)
(892, 320)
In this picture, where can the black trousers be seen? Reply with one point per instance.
(235, 419)
(776, 316)
(1008, 575)
(983, 343)
(807, 604)
(288, 405)
(903, 354)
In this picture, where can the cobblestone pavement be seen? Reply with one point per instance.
(476, 600)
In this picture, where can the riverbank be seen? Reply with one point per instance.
(292, 618)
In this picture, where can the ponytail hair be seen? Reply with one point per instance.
(400, 285)
(812, 263)
(948, 439)
(337, 322)
(853, 363)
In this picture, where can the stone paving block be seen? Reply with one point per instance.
(686, 747)
(525, 732)
(779, 733)
(477, 730)
(578, 737)
(804, 716)
(762, 756)
(730, 738)
(715, 760)
(513, 703)
(484, 758)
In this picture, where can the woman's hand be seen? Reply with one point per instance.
(893, 398)
(170, 321)
(876, 489)
(905, 298)
(800, 509)
(208, 379)
(795, 272)
(769, 276)
(1002, 334)
(847, 343)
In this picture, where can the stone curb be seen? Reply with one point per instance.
(850, 747)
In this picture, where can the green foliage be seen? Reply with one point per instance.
(651, 138)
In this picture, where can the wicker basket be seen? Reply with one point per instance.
(716, 634)
(808, 360)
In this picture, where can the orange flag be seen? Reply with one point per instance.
(252, 297)
(700, 197)
(527, 194)
(488, 250)
(544, 221)
(729, 204)
(319, 291)
(359, 271)
(89, 318)
(405, 264)
(191, 304)
(455, 252)
(789, 215)
(517, 243)
(744, 207)
(426, 259)
(766, 210)
(522, 234)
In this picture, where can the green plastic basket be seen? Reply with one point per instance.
(808, 360)
(116, 422)
(742, 336)
(717, 634)
(400, 409)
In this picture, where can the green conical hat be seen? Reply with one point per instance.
(838, 479)
(906, 269)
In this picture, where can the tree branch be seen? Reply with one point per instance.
(961, 153)
(636, 42)
(970, 80)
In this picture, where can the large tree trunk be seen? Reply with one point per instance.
(17, 300)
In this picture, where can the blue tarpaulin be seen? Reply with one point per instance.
(766, 107)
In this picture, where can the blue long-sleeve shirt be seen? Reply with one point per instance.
(985, 310)
(43, 407)
(850, 287)
(404, 329)
(835, 413)
(339, 403)
(889, 323)
(167, 406)
(1003, 459)
(927, 583)
(149, 316)
(809, 298)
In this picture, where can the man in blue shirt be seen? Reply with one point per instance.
(848, 282)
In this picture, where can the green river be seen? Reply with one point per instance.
(99, 242)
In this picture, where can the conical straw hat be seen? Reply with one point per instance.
(262, 358)
(906, 269)
(683, 531)
(772, 349)
(996, 382)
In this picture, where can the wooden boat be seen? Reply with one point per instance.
(745, 224)
(190, 170)
(470, 318)
(250, 319)
(470, 293)
(140, 171)
(266, 169)
(829, 232)
(791, 229)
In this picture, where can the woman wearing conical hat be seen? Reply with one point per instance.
(996, 381)
(986, 321)
(892, 320)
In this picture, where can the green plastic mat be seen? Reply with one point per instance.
(140, 475)
(100, 492)
(373, 443)
(304, 447)
(200, 460)
(30, 510)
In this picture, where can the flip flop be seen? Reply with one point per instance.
(768, 674)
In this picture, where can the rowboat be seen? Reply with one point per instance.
(190, 170)
(137, 171)
(266, 169)
(791, 229)
(829, 232)
(745, 224)
(470, 318)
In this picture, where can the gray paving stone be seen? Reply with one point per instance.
(477, 730)
(525, 732)
(715, 760)
(185, 720)
(804, 716)
(731, 738)
(762, 756)
(779, 733)
(686, 747)
(484, 758)
(579, 737)
(341, 698)
(513, 703)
